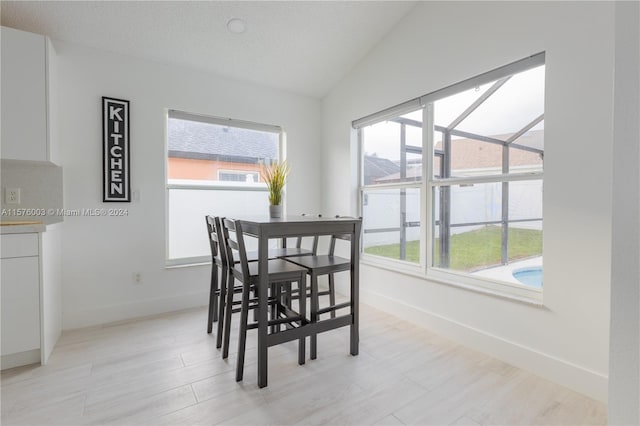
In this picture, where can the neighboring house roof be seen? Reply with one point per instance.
(204, 141)
(473, 154)
(468, 154)
(377, 167)
(413, 172)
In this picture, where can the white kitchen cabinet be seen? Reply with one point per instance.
(30, 293)
(20, 299)
(51, 288)
(20, 305)
(24, 128)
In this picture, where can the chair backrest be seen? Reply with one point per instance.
(221, 244)
(334, 238)
(214, 240)
(314, 246)
(234, 240)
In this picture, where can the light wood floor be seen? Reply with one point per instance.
(165, 370)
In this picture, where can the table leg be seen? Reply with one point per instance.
(263, 250)
(313, 339)
(355, 290)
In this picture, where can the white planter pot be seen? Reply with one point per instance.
(275, 211)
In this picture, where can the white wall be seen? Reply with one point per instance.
(101, 254)
(624, 365)
(441, 43)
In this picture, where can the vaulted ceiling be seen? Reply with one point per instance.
(304, 47)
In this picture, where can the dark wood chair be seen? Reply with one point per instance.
(286, 251)
(220, 272)
(220, 284)
(319, 265)
(280, 275)
(217, 263)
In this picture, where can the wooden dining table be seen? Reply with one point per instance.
(264, 229)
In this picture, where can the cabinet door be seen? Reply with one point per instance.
(24, 114)
(20, 299)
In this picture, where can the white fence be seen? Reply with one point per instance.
(469, 204)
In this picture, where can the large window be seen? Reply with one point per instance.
(392, 172)
(213, 168)
(451, 182)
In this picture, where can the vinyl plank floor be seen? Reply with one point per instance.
(165, 370)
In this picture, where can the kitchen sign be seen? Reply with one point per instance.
(115, 150)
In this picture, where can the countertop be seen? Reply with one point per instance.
(21, 226)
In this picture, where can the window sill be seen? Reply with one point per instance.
(503, 290)
(215, 185)
(187, 262)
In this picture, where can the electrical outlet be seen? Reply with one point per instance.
(12, 195)
(137, 278)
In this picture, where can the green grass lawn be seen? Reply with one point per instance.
(475, 249)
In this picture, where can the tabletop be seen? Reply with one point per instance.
(297, 225)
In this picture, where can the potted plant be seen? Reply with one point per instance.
(275, 175)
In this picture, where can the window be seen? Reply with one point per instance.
(392, 172)
(451, 182)
(213, 168)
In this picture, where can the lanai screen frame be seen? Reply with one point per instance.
(498, 77)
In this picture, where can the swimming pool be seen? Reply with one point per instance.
(531, 276)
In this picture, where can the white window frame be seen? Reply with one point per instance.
(405, 265)
(211, 186)
(423, 269)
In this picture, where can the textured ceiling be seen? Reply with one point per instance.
(300, 46)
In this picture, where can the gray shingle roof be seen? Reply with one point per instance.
(192, 139)
(377, 167)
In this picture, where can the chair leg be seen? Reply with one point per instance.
(278, 297)
(289, 296)
(223, 306)
(314, 315)
(216, 305)
(302, 310)
(213, 300)
(255, 311)
(332, 294)
(274, 307)
(242, 335)
(227, 316)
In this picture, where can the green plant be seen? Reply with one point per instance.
(275, 175)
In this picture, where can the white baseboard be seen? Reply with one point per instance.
(580, 379)
(142, 308)
(19, 359)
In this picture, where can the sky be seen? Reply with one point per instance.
(518, 102)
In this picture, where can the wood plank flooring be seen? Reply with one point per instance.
(165, 370)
